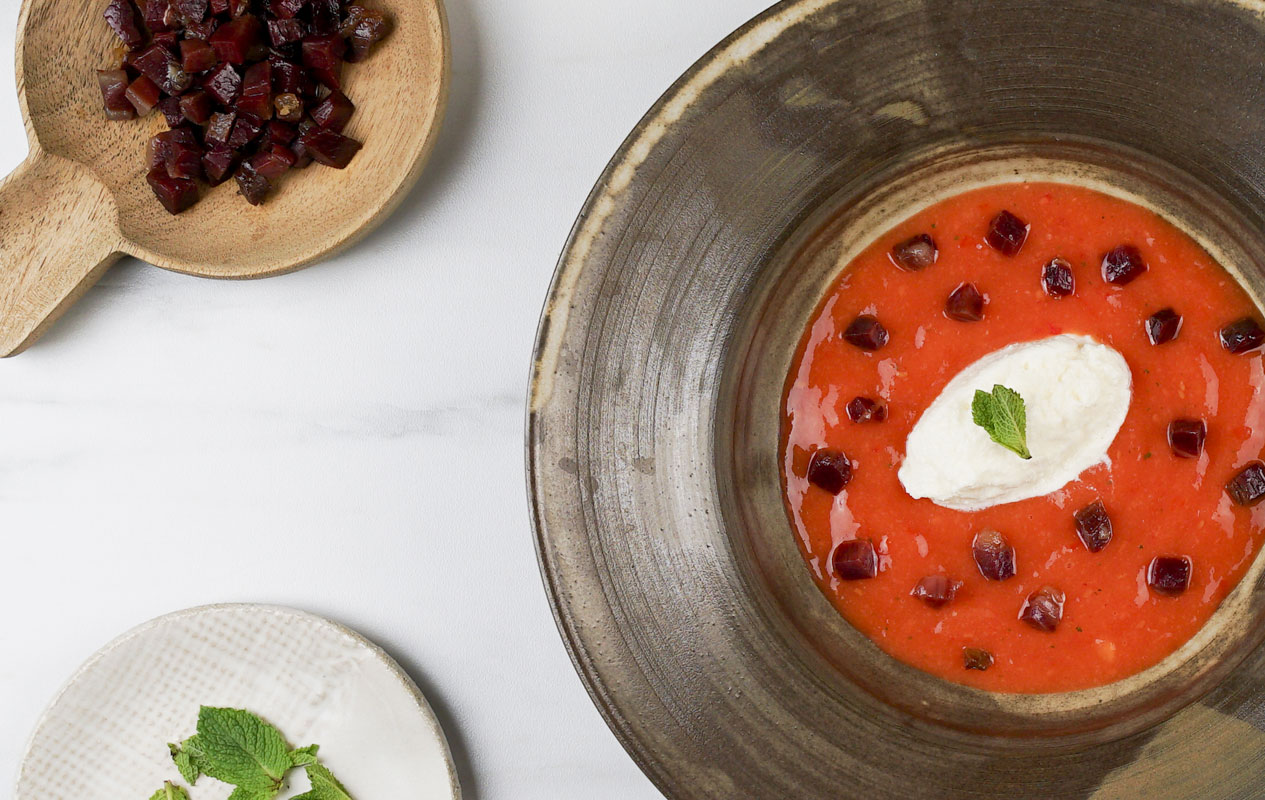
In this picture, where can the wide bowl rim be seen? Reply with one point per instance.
(547, 330)
(585, 647)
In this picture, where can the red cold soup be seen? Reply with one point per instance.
(1107, 574)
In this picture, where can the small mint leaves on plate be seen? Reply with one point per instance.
(241, 749)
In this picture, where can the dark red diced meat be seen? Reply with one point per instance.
(156, 15)
(1043, 609)
(239, 40)
(829, 470)
(191, 10)
(277, 132)
(1248, 487)
(1093, 526)
(237, 8)
(169, 40)
(161, 146)
(975, 658)
(245, 129)
(285, 9)
(287, 77)
(855, 560)
(256, 96)
(324, 15)
(143, 94)
(329, 147)
(1123, 265)
(1186, 437)
(867, 333)
(285, 31)
(370, 28)
(913, 254)
(965, 304)
(994, 557)
(156, 152)
(220, 128)
(218, 164)
(273, 162)
(334, 111)
(297, 146)
(224, 84)
(174, 20)
(123, 19)
(1057, 279)
(197, 56)
(253, 186)
(936, 590)
(184, 161)
(321, 76)
(219, 7)
(196, 107)
(323, 51)
(353, 13)
(175, 194)
(1007, 233)
(865, 409)
(201, 30)
(1169, 575)
(160, 65)
(1242, 336)
(170, 108)
(113, 83)
(1163, 326)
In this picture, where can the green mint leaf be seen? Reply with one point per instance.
(324, 785)
(1003, 415)
(187, 756)
(248, 794)
(170, 791)
(303, 756)
(239, 748)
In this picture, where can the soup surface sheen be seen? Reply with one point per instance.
(1113, 623)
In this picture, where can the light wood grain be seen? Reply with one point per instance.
(81, 199)
(58, 234)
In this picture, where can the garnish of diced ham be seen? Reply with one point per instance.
(994, 557)
(855, 560)
(256, 82)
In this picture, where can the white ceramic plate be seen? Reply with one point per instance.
(105, 735)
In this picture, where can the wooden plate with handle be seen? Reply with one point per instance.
(80, 200)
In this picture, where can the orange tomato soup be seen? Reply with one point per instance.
(1113, 623)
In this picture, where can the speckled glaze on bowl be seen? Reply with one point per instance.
(653, 425)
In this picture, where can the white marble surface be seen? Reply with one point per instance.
(347, 439)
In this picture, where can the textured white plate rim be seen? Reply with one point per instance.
(406, 683)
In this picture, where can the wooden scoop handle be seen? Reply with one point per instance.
(58, 234)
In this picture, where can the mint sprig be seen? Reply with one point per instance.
(324, 785)
(170, 791)
(1004, 416)
(304, 755)
(188, 758)
(241, 749)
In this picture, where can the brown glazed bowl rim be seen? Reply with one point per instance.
(693, 697)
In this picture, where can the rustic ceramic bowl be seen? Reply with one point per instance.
(655, 405)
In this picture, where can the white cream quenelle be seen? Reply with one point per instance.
(1077, 393)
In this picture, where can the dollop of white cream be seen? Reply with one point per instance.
(1077, 393)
